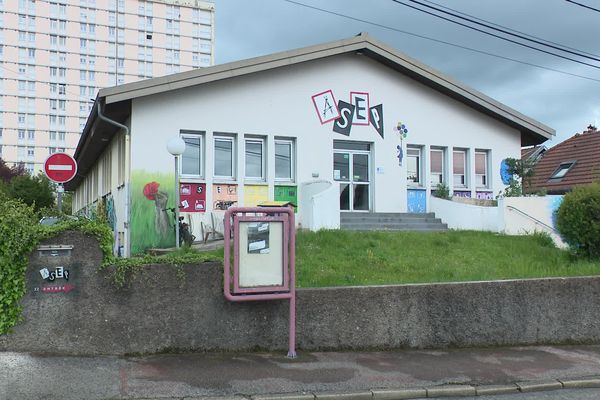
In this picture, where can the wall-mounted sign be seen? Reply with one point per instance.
(326, 106)
(58, 288)
(58, 273)
(357, 112)
(192, 197)
(224, 196)
(255, 195)
(360, 101)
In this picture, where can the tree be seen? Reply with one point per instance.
(8, 173)
(520, 173)
(32, 190)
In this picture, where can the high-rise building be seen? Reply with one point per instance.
(55, 55)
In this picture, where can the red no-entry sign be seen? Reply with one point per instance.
(60, 167)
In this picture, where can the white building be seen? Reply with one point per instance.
(315, 125)
(55, 55)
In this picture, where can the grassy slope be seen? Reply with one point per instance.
(343, 258)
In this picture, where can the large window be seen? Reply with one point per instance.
(284, 160)
(459, 168)
(437, 166)
(255, 159)
(413, 166)
(224, 156)
(192, 159)
(481, 169)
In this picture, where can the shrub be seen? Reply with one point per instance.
(578, 220)
(442, 191)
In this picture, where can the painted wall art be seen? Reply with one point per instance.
(224, 196)
(255, 195)
(326, 106)
(152, 211)
(192, 197)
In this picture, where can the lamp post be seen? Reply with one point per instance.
(176, 146)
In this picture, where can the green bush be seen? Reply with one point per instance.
(442, 191)
(578, 220)
(18, 230)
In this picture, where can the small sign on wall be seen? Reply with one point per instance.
(224, 196)
(192, 197)
(326, 106)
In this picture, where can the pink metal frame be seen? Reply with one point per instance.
(288, 289)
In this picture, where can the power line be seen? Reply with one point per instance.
(510, 29)
(507, 32)
(583, 5)
(496, 36)
(440, 41)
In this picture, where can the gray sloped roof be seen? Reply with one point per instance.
(533, 132)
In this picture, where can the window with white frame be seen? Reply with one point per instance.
(413, 166)
(437, 164)
(224, 157)
(255, 159)
(459, 168)
(284, 160)
(481, 169)
(192, 159)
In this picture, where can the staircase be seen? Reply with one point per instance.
(422, 222)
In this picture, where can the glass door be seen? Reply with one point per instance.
(351, 170)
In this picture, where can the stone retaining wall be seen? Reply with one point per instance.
(166, 309)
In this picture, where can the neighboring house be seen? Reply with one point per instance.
(576, 161)
(316, 126)
(533, 154)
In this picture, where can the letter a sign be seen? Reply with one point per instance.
(60, 167)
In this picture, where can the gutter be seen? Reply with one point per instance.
(126, 223)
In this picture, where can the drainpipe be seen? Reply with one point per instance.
(127, 177)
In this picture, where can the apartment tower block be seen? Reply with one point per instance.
(55, 55)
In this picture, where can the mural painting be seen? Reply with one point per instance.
(463, 193)
(255, 195)
(152, 211)
(192, 197)
(224, 196)
(287, 193)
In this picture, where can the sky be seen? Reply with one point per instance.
(567, 103)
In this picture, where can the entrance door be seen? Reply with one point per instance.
(351, 166)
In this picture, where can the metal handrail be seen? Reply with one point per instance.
(532, 218)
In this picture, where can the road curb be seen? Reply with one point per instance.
(399, 394)
(580, 383)
(538, 386)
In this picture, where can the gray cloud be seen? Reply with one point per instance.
(250, 28)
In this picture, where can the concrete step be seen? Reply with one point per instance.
(391, 221)
(396, 227)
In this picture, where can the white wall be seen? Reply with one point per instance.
(320, 202)
(465, 216)
(525, 215)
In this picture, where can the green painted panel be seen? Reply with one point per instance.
(287, 193)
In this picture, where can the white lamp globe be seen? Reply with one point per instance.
(176, 146)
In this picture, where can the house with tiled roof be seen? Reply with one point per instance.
(576, 161)
(533, 154)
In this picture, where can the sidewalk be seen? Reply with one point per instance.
(356, 375)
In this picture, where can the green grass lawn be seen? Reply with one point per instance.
(344, 258)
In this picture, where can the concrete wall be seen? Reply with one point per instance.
(465, 216)
(166, 310)
(525, 215)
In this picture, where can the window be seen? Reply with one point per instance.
(562, 170)
(459, 168)
(255, 161)
(284, 161)
(413, 166)
(481, 169)
(437, 166)
(192, 157)
(224, 157)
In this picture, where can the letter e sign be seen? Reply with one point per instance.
(360, 101)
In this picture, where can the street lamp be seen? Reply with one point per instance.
(176, 146)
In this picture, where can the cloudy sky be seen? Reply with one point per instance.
(567, 103)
